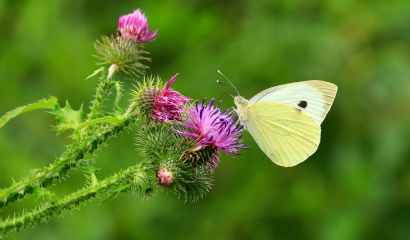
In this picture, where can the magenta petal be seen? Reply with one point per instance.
(169, 104)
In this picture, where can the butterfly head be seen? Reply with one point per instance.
(243, 110)
(239, 101)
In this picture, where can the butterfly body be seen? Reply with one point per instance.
(285, 120)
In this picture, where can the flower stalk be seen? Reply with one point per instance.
(71, 201)
(101, 94)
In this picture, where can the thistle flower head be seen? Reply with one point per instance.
(160, 103)
(135, 26)
(213, 128)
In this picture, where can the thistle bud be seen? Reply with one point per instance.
(148, 96)
(120, 54)
(166, 177)
(125, 52)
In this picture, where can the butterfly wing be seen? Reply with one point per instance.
(313, 97)
(287, 135)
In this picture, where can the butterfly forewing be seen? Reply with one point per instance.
(313, 97)
(285, 134)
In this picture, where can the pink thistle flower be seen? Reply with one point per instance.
(135, 25)
(168, 104)
(158, 102)
(213, 128)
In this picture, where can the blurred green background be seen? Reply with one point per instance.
(356, 186)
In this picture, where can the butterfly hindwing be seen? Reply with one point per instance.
(313, 97)
(285, 134)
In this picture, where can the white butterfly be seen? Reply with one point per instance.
(285, 120)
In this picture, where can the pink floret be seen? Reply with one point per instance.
(135, 25)
(169, 104)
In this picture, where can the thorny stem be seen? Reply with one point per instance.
(46, 211)
(98, 103)
(74, 153)
(101, 94)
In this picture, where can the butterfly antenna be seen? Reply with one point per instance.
(225, 86)
(229, 82)
(223, 94)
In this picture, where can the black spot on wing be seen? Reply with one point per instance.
(302, 104)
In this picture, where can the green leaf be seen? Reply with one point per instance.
(118, 113)
(44, 103)
(110, 120)
(67, 118)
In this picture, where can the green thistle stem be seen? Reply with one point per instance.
(102, 91)
(97, 104)
(73, 155)
(46, 211)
